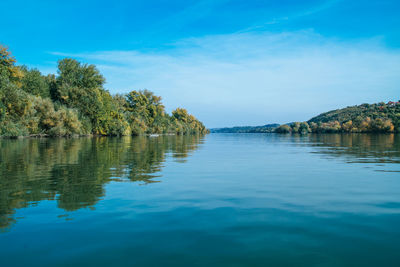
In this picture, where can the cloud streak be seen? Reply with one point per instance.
(256, 78)
(297, 15)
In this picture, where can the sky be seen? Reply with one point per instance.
(229, 62)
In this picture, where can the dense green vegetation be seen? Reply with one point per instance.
(365, 118)
(74, 102)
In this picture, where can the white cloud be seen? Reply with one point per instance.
(256, 78)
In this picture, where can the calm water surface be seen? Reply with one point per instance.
(218, 200)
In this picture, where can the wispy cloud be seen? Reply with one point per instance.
(296, 15)
(255, 78)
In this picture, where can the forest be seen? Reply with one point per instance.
(74, 102)
(268, 128)
(366, 118)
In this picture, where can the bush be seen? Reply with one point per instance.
(283, 129)
(12, 129)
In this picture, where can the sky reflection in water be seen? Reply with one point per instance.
(222, 199)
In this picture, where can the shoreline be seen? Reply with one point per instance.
(38, 136)
(44, 136)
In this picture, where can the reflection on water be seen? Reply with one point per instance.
(359, 148)
(238, 200)
(74, 171)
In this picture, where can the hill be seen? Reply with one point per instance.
(365, 118)
(390, 110)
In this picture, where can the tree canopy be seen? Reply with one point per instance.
(75, 102)
(365, 118)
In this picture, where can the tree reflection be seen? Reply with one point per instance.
(359, 148)
(74, 171)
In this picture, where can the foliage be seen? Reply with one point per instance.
(7, 63)
(74, 102)
(145, 112)
(268, 128)
(35, 83)
(365, 118)
(380, 117)
(283, 129)
(186, 123)
(365, 126)
(295, 127)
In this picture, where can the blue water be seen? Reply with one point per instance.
(216, 200)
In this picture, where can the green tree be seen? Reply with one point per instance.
(7, 63)
(146, 112)
(75, 102)
(283, 129)
(80, 86)
(304, 128)
(34, 83)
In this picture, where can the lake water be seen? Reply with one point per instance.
(217, 200)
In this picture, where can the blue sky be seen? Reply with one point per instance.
(228, 62)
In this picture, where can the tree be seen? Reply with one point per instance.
(145, 112)
(75, 102)
(347, 126)
(304, 128)
(283, 129)
(75, 74)
(80, 86)
(7, 62)
(34, 83)
(295, 127)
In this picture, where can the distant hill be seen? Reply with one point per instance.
(365, 118)
(268, 128)
(390, 110)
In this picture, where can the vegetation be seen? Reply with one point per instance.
(381, 117)
(74, 102)
(269, 128)
(365, 118)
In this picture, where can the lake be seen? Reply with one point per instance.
(214, 200)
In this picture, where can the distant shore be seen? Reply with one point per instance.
(365, 118)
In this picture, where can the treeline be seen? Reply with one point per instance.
(74, 102)
(365, 118)
(269, 128)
